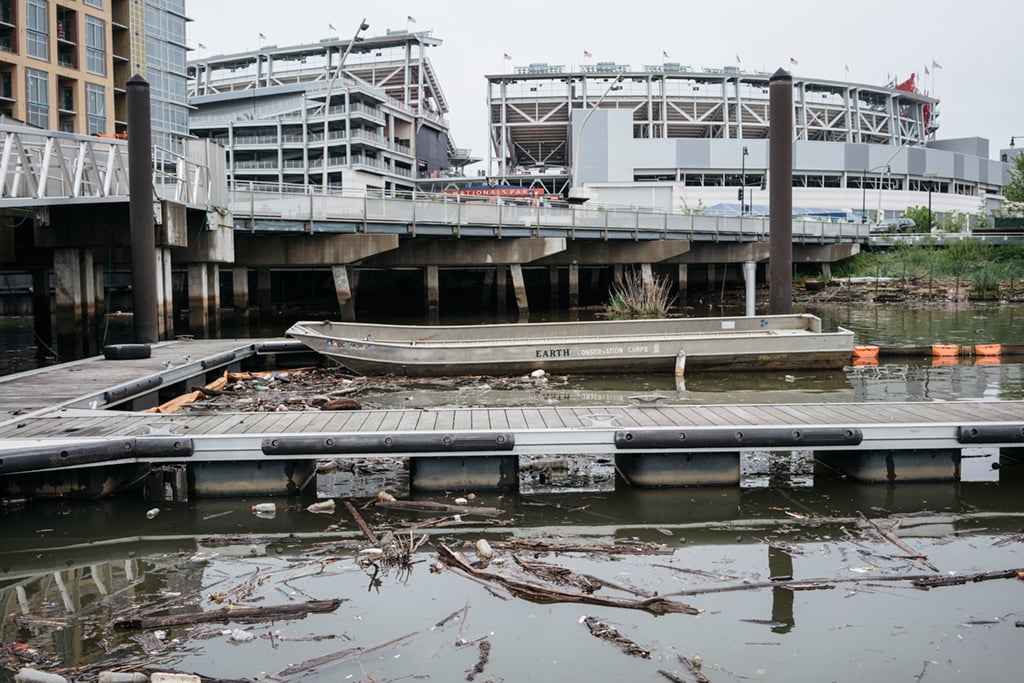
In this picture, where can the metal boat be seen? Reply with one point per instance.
(772, 342)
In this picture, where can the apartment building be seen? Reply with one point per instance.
(64, 64)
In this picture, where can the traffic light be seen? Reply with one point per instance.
(739, 195)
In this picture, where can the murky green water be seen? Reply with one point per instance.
(69, 573)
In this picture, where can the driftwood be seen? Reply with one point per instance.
(917, 580)
(533, 591)
(936, 581)
(610, 634)
(526, 545)
(429, 506)
(565, 576)
(888, 535)
(481, 662)
(232, 614)
(367, 531)
(340, 656)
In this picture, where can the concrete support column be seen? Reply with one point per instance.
(486, 290)
(432, 276)
(167, 311)
(519, 285)
(826, 270)
(240, 291)
(198, 300)
(263, 291)
(711, 279)
(213, 283)
(100, 298)
(750, 280)
(343, 292)
(647, 276)
(684, 273)
(553, 285)
(88, 308)
(42, 311)
(574, 286)
(617, 274)
(501, 285)
(67, 274)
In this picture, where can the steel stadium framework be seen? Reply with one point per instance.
(707, 128)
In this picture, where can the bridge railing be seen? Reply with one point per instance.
(39, 167)
(373, 210)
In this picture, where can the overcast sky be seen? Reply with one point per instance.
(974, 51)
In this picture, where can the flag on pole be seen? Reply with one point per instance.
(738, 58)
(665, 55)
(793, 61)
(411, 19)
(926, 71)
(262, 37)
(331, 27)
(587, 55)
(847, 69)
(936, 65)
(201, 46)
(508, 56)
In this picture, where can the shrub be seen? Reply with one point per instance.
(634, 298)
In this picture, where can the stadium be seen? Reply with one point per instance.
(683, 138)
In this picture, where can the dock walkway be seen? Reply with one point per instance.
(58, 415)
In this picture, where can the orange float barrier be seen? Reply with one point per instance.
(945, 350)
(865, 352)
(988, 350)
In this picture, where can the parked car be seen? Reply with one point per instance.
(894, 226)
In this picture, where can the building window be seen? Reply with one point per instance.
(37, 29)
(38, 98)
(98, 4)
(95, 52)
(96, 103)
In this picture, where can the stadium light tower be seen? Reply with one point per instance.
(574, 197)
(327, 100)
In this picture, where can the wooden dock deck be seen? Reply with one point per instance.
(55, 417)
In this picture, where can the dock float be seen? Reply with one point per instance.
(86, 433)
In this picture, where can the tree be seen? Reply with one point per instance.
(921, 217)
(1014, 190)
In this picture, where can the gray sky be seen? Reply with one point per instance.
(978, 46)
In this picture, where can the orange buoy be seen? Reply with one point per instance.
(945, 350)
(865, 352)
(988, 349)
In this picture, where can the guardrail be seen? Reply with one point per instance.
(266, 207)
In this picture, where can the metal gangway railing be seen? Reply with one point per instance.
(41, 167)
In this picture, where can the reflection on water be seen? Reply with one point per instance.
(65, 577)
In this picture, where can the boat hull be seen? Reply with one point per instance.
(710, 344)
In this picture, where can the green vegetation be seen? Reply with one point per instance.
(634, 297)
(1014, 190)
(988, 271)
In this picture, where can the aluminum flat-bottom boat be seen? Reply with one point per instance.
(772, 342)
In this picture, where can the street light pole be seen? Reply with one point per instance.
(930, 175)
(327, 100)
(743, 182)
(579, 137)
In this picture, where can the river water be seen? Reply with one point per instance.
(68, 571)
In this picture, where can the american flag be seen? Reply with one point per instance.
(793, 61)
(262, 37)
(331, 27)
(201, 46)
(411, 19)
(508, 56)
(587, 55)
(665, 55)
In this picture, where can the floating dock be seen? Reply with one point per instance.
(81, 419)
